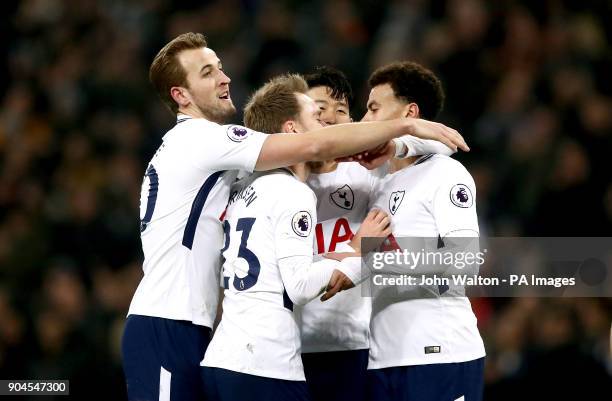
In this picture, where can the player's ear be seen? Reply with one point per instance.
(411, 110)
(289, 127)
(180, 96)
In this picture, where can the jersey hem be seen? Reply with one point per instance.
(334, 348)
(266, 374)
(417, 361)
(204, 321)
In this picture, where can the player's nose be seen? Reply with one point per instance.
(328, 118)
(225, 80)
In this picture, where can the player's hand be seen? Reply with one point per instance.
(425, 129)
(376, 225)
(340, 256)
(375, 158)
(338, 282)
(372, 158)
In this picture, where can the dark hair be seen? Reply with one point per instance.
(339, 86)
(166, 71)
(274, 103)
(411, 82)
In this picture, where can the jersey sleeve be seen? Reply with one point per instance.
(294, 217)
(417, 146)
(223, 147)
(454, 202)
(304, 280)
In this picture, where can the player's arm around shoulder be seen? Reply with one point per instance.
(347, 139)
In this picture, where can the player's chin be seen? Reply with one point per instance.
(228, 105)
(227, 108)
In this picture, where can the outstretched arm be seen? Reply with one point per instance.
(347, 139)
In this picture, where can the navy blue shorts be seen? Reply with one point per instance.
(444, 381)
(227, 385)
(161, 358)
(337, 376)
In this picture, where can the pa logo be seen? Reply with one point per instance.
(343, 197)
(461, 196)
(301, 223)
(237, 133)
(396, 200)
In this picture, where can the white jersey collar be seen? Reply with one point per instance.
(288, 171)
(182, 117)
(422, 159)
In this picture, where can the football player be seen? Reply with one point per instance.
(335, 333)
(268, 262)
(422, 347)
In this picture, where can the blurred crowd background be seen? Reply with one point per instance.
(528, 84)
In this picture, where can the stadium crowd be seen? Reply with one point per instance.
(527, 84)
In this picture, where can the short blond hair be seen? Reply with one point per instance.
(166, 70)
(274, 103)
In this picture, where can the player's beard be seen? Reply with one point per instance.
(219, 113)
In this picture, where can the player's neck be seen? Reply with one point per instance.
(195, 112)
(323, 167)
(192, 112)
(399, 164)
(301, 171)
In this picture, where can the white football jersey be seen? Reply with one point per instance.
(423, 201)
(269, 217)
(342, 322)
(183, 195)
